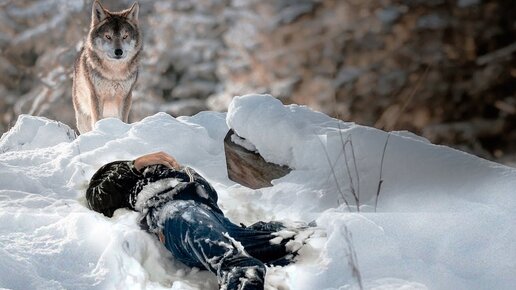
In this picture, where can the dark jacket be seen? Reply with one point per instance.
(118, 184)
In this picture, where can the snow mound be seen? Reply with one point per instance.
(416, 175)
(35, 133)
(442, 219)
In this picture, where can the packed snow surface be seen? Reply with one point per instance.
(439, 218)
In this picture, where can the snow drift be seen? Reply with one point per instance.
(398, 212)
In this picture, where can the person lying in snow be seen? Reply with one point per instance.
(180, 207)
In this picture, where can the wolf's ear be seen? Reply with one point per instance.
(98, 13)
(132, 14)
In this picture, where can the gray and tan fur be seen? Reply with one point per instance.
(106, 68)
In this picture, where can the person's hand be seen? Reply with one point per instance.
(156, 158)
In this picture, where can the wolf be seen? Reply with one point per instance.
(106, 68)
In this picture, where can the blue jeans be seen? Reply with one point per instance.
(200, 237)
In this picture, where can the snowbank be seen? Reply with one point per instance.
(443, 220)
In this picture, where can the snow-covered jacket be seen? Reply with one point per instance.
(118, 184)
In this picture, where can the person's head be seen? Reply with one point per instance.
(106, 192)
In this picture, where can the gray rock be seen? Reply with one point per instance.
(347, 75)
(197, 89)
(390, 14)
(293, 10)
(468, 3)
(390, 82)
(284, 88)
(416, 3)
(201, 71)
(184, 107)
(433, 21)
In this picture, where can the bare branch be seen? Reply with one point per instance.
(333, 173)
(380, 181)
(352, 258)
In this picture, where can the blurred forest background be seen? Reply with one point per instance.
(444, 69)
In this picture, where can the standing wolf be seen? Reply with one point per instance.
(106, 68)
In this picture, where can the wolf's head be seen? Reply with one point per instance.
(115, 35)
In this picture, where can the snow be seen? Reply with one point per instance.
(443, 219)
(242, 142)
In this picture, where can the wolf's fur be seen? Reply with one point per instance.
(106, 68)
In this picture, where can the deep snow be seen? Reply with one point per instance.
(444, 218)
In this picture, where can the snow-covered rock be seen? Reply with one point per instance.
(443, 219)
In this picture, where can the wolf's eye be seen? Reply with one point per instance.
(125, 36)
(108, 36)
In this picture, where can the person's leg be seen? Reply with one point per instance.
(266, 241)
(196, 237)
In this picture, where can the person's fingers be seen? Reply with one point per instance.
(156, 158)
(168, 163)
(172, 165)
(165, 162)
(172, 161)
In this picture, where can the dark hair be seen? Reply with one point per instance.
(106, 193)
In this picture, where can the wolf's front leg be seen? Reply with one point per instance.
(126, 108)
(95, 110)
